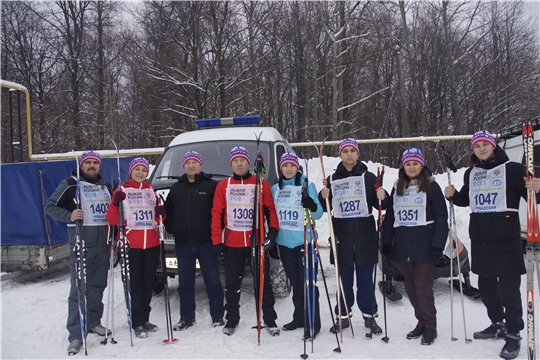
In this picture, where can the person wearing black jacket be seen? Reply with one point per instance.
(352, 195)
(492, 187)
(188, 207)
(415, 233)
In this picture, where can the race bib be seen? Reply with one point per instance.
(95, 201)
(410, 208)
(349, 197)
(288, 202)
(240, 203)
(488, 190)
(139, 208)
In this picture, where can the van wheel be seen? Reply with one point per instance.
(159, 284)
(280, 282)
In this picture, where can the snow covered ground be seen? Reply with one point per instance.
(34, 313)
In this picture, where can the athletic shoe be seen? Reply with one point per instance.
(183, 325)
(230, 327)
(217, 322)
(150, 327)
(74, 347)
(141, 332)
(496, 330)
(512, 346)
(99, 330)
(272, 327)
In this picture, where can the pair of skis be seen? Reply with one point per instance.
(79, 250)
(123, 246)
(533, 237)
(378, 184)
(258, 238)
(310, 261)
(455, 245)
(310, 224)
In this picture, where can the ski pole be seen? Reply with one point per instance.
(454, 241)
(340, 294)
(306, 311)
(170, 339)
(338, 349)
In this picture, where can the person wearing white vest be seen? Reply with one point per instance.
(291, 197)
(492, 187)
(415, 230)
(62, 206)
(141, 215)
(352, 195)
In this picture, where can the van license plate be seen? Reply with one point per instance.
(172, 263)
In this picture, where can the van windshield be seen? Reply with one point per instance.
(215, 156)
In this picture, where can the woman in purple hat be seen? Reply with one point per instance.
(415, 233)
(141, 211)
(492, 187)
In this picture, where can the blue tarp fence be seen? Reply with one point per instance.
(22, 202)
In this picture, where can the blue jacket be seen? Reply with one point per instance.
(290, 238)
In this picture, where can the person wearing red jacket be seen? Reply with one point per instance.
(233, 210)
(141, 211)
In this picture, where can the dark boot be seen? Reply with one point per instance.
(292, 326)
(417, 332)
(370, 323)
(344, 324)
(429, 336)
(512, 346)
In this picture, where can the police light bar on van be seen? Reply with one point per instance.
(237, 121)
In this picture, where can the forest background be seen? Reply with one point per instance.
(140, 73)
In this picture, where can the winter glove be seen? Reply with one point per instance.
(387, 250)
(218, 249)
(436, 253)
(160, 211)
(118, 197)
(274, 253)
(270, 242)
(308, 203)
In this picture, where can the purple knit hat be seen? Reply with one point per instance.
(88, 155)
(483, 135)
(412, 154)
(289, 158)
(138, 161)
(192, 155)
(348, 142)
(238, 151)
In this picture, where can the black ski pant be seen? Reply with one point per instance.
(97, 266)
(143, 264)
(235, 263)
(502, 298)
(364, 289)
(293, 263)
(419, 287)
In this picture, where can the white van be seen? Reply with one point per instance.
(214, 142)
(511, 141)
